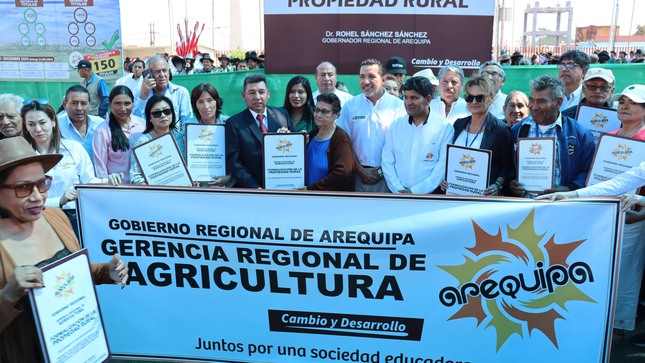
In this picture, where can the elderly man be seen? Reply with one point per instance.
(207, 64)
(224, 65)
(574, 144)
(10, 120)
(597, 88)
(366, 118)
(495, 73)
(159, 83)
(96, 86)
(326, 81)
(77, 124)
(572, 68)
(414, 155)
(244, 132)
(133, 81)
(450, 105)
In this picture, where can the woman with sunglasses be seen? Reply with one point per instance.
(330, 162)
(160, 120)
(43, 133)
(111, 140)
(32, 237)
(482, 130)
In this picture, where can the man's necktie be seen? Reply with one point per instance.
(262, 127)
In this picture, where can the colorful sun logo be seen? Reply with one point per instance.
(517, 283)
(622, 152)
(284, 146)
(599, 120)
(206, 135)
(467, 161)
(64, 286)
(155, 151)
(536, 148)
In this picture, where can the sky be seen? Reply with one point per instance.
(136, 17)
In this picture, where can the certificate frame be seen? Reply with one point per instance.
(614, 155)
(162, 152)
(68, 301)
(205, 151)
(598, 120)
(283, 160)
(543, 156)
(467, 170)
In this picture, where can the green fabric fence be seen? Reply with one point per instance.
(229, 85)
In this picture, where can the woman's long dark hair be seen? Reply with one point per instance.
(150, 104)
(198, 91)
(35, 105)
(119, 140)
(308, 112)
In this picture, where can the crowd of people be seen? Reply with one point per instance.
(390, 138)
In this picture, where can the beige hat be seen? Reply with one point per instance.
(605, 74)
(17, 151)
(427, 72)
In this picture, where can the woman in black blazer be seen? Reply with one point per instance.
(482, 130)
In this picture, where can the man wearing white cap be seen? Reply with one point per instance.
(597, 88)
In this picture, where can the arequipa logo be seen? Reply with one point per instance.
(536, 148)
(64, 286)
(284, 146)
(622, 152)
(517, 281)
(467, 161)
(206, 135)
(155, 151)
(599, 120)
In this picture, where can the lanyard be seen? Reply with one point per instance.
(478, 132)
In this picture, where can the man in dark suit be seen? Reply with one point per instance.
(244, 132)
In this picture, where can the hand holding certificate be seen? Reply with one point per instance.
(284, 160)
(205, 152)
(536, 163)
(467, 170)
(161, 162)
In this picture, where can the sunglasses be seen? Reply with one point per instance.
(157, 114)
(42, 101)
(478, 98)
(23, 190)
(323, 111)
(594, 88)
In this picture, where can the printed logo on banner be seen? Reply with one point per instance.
(599, 120)
(535, 148)
(517, 282)
(206, 135)
(155, 151)
(64, 285)
(467, 162)
(622, 152)
(284, 146)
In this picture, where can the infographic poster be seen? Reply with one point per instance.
(44, 40)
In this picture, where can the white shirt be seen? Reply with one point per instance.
(458, 110)
(414, 156)
(133, 84)
(342, 96)
(572, 99)
(623, 183)
(497, 108)
(75, 167)
(367, 123)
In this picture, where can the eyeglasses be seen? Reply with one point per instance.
(157, 114)
(494, 75)
(322, 111)
(42, 101)
(594, 88)
(23, 190)
(568, 66)
(478, 98)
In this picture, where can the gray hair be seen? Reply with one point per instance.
(325, 63)
(157, 58)
(525, 62)
(455, 69)
(514, 93)
(555, 85)
(493, 63)
(11, 98)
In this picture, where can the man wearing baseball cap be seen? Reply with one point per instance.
(396, 67)
(96, 86)
(597, 88)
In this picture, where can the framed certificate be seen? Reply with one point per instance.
(205, 151)
(67, 314)
(467, 170)
(598, 120)
(536, 163)
(284, 160)
(161, 163)
(614, 155)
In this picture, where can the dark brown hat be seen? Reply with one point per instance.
(16, 151)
